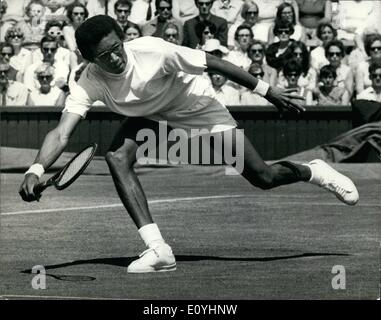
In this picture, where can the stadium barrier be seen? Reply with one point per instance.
(274, 137)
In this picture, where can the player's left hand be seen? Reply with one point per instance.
(285, 99)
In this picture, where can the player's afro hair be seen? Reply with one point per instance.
(92, 31)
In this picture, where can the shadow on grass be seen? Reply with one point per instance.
(125, 261)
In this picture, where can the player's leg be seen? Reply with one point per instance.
(121, 158)
(264, 176)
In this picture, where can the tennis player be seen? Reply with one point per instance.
(149, 80)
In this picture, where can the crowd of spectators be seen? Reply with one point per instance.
(329, 51)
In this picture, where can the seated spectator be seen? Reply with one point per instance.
(239, 56)
(54, 30)
(4, 25)
(225, 94)
(122, 10)
(267, 13)
(373, 93)
(76, 14)
(12, 93)
(327, 93)
(249, 97)
(312, 13)
(326, 33)
(249, 14)
(184, 10)
(142, 11)
(55, 10)
(22, 57)
(49, 49)
(155, 26)
(292, 71)
(47, 93)
(307, 79)
(171, 33)
(286, 12)
(214, 47)
(278, 53)
(256, 53)
(132, 31)
(373, 50)
(335, 52)
(228, 10)
(205, 30)
(191, 39)
(6, 54)
(353, 17)
(34, 27)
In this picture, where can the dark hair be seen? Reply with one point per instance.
(324, 25)
(132, 25)
(292, 65)
(196, 1)
(92, 31)
(123, 3)
(335, 43)
(70, 9)
(327, 71)
(243, 27)
(279, 12)
(6, 45)
(200, 27)
(53, 23)
(283, 25)
(48, 38)
(369, 40)
(262, 44)
(305, 55)
(255, 67)
(374, 66)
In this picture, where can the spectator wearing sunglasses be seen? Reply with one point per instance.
(6, 54)
(325, 33)
(278, 53)
(228, 10)
(34, 27)
(76, 14)
(249, 97)
(122, 10)
(163, 15)
(373, 50)
(335, 53)
(12, 93)
(46, 93)
(205, 30)
(171, 33)
(49, 47)
(373, 93)
(22, 57)
(191, 37)
(327, 93)
(286, 12)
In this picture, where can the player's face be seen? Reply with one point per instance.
(110, 54)
(122, 12)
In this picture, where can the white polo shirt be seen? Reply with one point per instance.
(162, 81)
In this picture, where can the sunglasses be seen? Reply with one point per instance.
(6, 54)
(375, 49)
(49, 49)
(121, 11)
(375, 76)
(258, 74)
(292, 74)
(165, 8)
(44, 77)
(18, 36)
(254, 51)
(254, 13)
(332, 54)
(168, 35)
(284, 31)
(116, 49)
(206, 32)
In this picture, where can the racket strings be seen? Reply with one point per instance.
(75, 166)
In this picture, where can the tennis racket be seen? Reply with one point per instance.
(70, 172)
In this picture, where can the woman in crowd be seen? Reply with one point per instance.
(286, 12)
(373, 50)
(205, 30)
(171, 33)
(22, 57)
(132, 31)
(239, 56)
(326, 33)
(77, 14)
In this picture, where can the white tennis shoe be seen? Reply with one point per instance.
(324, 176)
(156, 259)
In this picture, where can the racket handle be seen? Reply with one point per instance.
(38, 189)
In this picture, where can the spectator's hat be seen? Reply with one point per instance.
(45, 69)
(214, 45)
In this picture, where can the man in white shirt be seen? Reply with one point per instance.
(225, 94)
(373, 93)
(150, 79)
(228, 10)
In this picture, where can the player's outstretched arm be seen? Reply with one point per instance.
(280, 98)
(52, 147)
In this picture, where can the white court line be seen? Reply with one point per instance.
(117, 205)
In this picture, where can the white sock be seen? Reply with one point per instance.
(150, 234)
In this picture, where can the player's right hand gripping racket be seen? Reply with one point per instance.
(70, 172)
